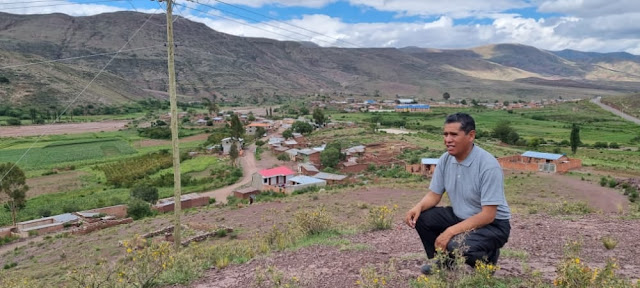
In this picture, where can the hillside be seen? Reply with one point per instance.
(257, 70)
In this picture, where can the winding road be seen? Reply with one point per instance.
(615, 111)
(248, 163)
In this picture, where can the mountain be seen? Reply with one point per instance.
(258, 70)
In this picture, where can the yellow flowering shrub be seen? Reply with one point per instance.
(573, 272)
(381, 217)
(313, 222)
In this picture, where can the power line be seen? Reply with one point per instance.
(289, 24)
(79, 57)
(239, 22)
(77, 97)
(65, 4)
(252, 19)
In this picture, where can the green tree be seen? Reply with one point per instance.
(233, 153)
(304, 111)
(330, 157)
(505, 103)
(463, 102)
(302, 127)
(505, 133)
(446, 95)
(146, 193)
(574, 138)
(318, 116)
(287, 133)
(33, 114)
(237, 130)
(13, 184)
(211, 106)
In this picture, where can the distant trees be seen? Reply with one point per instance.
(287, 133)
(146, 193)
(505, 133)
(446, 95)
(302, 127)
(13, 184)
(574, 138)
(212, 106)
(237, 130)
(233, 153)
(318, 116)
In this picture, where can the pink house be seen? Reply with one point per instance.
(271, 177)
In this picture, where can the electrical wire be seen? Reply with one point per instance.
(77, 97)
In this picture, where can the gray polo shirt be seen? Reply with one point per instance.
(476, 181)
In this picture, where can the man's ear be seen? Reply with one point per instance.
(472, 134)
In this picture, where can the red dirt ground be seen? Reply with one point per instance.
(64, 128)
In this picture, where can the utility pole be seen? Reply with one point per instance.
(174, 127)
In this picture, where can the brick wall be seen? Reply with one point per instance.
(119, 211)
(88, 228)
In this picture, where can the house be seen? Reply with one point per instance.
(186, 201)
(46, 224)
(426, 167)
(308, 169)
(331, 178)
(217, 120)
(413, 108)
(540, 161)
(227, 142)
(292, 154)
(201, 122)
(308, 155)
(271, 177)
(253, 127)
(352, 166)
(405, 101)
(245, 193)
(302, 181)
(291, 143)
(355, 150)
(275, 141)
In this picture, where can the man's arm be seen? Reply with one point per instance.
(428, 201)
(485, 217)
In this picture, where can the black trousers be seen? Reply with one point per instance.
(480, 244)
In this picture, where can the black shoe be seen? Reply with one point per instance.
(493, 257)
(429, 269)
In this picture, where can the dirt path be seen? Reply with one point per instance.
(601, 198)
(248, 164)
(64, 128)
(615, 111)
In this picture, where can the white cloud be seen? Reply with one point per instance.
(284, 3)
(589, 8)
(452, 8)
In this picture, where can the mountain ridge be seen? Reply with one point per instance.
(262, 70)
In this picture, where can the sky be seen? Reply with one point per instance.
(584, 25)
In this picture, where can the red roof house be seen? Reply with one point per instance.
(272, 177)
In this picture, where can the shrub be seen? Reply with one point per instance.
(603, 181)
(259, 143)
(44, 212)
(313, 222)
(70, 207)
(381, 217)
(573, 272)
(138, 209)
(609, 243)
(146, 193)
(13, 122)
(614, 145)
(283, 157)
(612, 182)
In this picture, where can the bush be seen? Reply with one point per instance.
(70, 207)
(283, 157)
(259, 143)
(138, 209)
(146, 193)
(313, 222)
(44, 212)
(13, 121)
(603, 181)
(573, 272)
(381, 217)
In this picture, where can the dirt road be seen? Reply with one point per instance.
(248, 163)
(615, 111)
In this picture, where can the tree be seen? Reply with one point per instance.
(318, 116)
(506, 103)
(287, 133)
(302, 127)
(330, 157)
(146, 193)
(304, 111)
(259, 132)
(463, 102)
(237, 130)
(446, 95)
(212, 106)
(233, 153)
(33, 114)
(505, 133)
(13, 184)
(575, 138)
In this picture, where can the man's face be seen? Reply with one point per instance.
(457, 142)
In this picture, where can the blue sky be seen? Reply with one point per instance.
(585, 25)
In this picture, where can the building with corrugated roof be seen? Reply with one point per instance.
(540, 161)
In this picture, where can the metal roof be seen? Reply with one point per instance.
(309, 167)
(542, 155)
(429, 161)
(303, 180)
(413, 106)
(278, 171)
(329, 176)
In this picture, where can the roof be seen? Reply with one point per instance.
(278, 171)
(413, 106)
(329, 176)
(290, 142)
(549, 156)
(259, 125)
(303, 179)
(247, 190)
(307, 151)
(356, 149)
(320, 148)
(429, 161)
(405, 100)
(293, 151)
(273, 140)
(309, 167)
(281, 148)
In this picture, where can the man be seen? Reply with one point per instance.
(473, 181)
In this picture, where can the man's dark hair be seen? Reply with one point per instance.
(467, 124)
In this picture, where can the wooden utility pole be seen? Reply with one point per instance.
(174, 127)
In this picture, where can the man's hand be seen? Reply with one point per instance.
(443, 240)
(412, 216)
